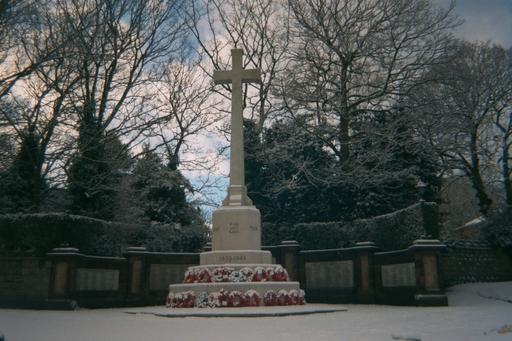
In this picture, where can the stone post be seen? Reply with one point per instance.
(290, 258)
(365, 281)
(429, 289)
(137, 279)
(430, 218)
(64, 263)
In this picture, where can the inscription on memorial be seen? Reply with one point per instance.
(232, 259)
(322, 275)
(233, 228)
(398, 275)
(97, 280)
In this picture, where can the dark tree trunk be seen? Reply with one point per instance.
(484, 201)
(506, 172)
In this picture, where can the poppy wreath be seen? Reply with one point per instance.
(236, 299)
(252, 298)
(190, 277)
(186, 299)
(302, 297)
(259, 275)
(246, 273)
(204, 276)
(279, 274)
(221, 274)
(218, 299)
(283, 298)
(226, 274)
(224, 298)
(293, 297)
(270, 298)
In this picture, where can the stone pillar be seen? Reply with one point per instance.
(290, 258)
(430, 218)
(137, 277)
(429, 288)
(64, 263)
(364, 272)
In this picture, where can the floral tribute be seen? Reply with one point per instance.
(270, 298)
(224, 298)
(186, 299)
(227, 274)
(252, 298)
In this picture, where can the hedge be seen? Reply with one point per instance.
(39, 233)
(396, 230)
(391, 231)
(311, 236)
(498, 231)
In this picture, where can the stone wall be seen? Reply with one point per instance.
(473, 261)
(24, 281)
(66, 278)
(362, 275)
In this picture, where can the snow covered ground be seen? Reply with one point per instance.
(476, 312)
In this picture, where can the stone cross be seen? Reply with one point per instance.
(237, 193)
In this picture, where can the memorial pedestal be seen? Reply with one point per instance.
(228, 277)
(236, 228)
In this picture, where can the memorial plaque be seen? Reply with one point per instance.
(398, 275)
(161, 275)
(61, 273)
(323, 275)
(97, 280)
(430, 269)
(365, 274)
(11, 271)
(136, 276)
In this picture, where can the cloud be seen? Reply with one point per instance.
(486, 20)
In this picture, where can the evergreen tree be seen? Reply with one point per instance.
(96, 172)
(292, 177)
(284, 174)
(22, 183)
(388, 162)
(161, 192)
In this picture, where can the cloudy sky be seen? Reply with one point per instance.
(485, 20)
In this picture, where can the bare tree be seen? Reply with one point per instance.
(351, 59)
(23, 37)
(259, 27)
(185, 111)
(32, 114)
(502, 108)
(116, 47)
(465, 115)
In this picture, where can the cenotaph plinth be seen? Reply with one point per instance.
(236, 272)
